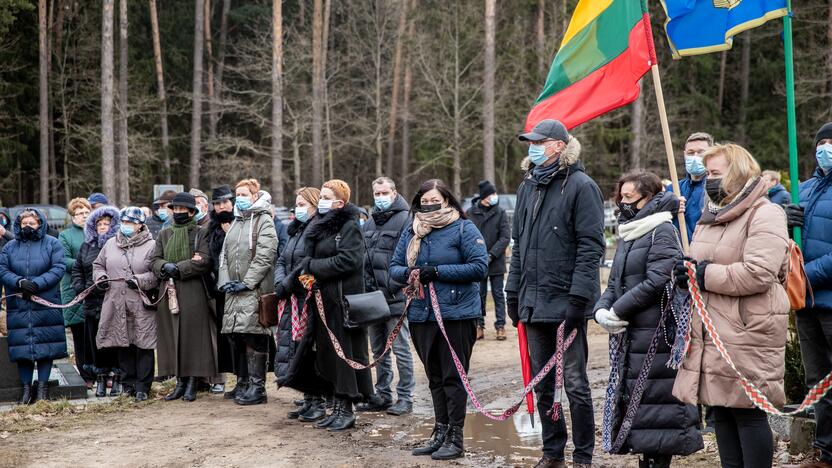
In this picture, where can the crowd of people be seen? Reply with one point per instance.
(178, 291)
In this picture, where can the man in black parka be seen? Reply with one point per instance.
(492, 221)
(558, 238)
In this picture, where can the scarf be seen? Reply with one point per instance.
(423, 224)
(639, 227)
(125, 242)
(178, 247)
(540, 173)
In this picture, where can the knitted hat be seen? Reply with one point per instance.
(97, 197)
(221, 193)
(134, 214)
(824, 133)
(183, 199)
(340, 188)
(486, 189)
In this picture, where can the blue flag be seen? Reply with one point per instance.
(703, 26)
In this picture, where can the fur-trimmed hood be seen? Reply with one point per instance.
(91, 236)
(570, 156)
(331, 223)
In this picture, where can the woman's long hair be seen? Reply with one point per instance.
(442, 188)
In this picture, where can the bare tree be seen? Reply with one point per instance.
(405, 115)
(540, 29)
(745, 71)
(108, 166)
(317, 94)
(488, 91)
(277, 102)
(214, 104)
(123, 163)
(721, 88)
(209, 79)
(637, 128)
(43, 91)
(196, 111)
(394, 95)
(160, 83)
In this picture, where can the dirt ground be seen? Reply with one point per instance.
(216, 432)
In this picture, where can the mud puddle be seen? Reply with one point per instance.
(511, 442)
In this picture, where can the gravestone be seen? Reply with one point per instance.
(64, 381)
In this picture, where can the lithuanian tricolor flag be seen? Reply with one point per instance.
(607, 48)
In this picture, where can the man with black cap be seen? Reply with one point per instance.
(554, 279)
(814, 323)
(161, 213)
(492, 221)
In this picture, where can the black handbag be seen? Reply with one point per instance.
(364, 309)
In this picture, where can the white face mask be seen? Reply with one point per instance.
(493, 199)
(324, 205)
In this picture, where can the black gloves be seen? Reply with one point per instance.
(104, 284)
(680, 272)
(27, 288)
(132, 284)
(279, 291)
(513, 309)
(794, 215)
(170, 270)
(575, 314)
(428, 274)
(234, 287)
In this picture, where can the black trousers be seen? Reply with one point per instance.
(743, 437)
(814, 327)
(240, 342)
(137, 367)
(82, 361)
(446, 389)
(104, 360)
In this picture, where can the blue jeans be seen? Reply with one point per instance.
(542, 343)
(499, 301)
(404, 360)
(26, 370)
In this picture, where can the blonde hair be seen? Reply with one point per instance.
(76, 203)
(742, 167)
(29, 213)
(252, 185)
(340, 188)
(773, 175)
(310, 194)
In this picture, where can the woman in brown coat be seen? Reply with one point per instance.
(740, 249)
(126, 324)
(187, 343)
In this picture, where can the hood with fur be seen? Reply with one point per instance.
(91, 236)
(571, 154)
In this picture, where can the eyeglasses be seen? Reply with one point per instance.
(81, 214)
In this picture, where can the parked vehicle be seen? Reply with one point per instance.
(56, 216)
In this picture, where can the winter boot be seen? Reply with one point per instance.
(435, 441)
(116, 387)
(306, 405)
(345, 419)
(239, 389)
(178, 391)
(547, 462)
(324, 423)
(43, 391)
(26, 397)
(330, 403)
(452, 447)
(316, 411)
(101, 386)
(256, 393)
(190, 389)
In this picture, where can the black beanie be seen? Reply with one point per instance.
(486, 189)
(824, 133)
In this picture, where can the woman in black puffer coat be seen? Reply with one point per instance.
(647, 249)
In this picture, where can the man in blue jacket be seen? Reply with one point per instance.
(777, 194)
(554, 279)
(692, 187)
(814, 323)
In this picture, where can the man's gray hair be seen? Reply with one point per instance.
(385, 180)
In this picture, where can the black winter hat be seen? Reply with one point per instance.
(183, 199)
(486, 188)
(824, 133)
(221, 193)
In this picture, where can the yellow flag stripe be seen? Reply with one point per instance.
(585, 13)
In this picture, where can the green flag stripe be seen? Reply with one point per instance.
(594, 46)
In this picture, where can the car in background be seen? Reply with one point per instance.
(56, 216)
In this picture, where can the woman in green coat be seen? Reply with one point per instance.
(71, 239)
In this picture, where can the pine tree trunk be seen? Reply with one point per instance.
(216, 103)
(296, 153)
(209, 79)
(196, 96)
(637, 128)
(53, 165)
(123, 156)
(456, 163)
(317, 95)
(745, 71)
(404, 180)
(394, 95)
(540, 28)
(277, 102)
(327, 106)
(108, 165)
(488, 91)
(160, 83)
(720, 95)
(43, 97)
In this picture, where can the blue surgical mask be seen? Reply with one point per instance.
(383, 203)
(361, 222)
(243, 203)
(493, 199)
(301, 214)
(200, 214)
(162, 214)
(824, 156)
(694, 166)
(324, 205)
(127, 231)
(537, 154)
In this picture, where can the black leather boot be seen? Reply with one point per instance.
(452, 447)
(239, 389)
(43, 391)
(307, 403)
(101, 385)
(316, 411)
(325, 422)
(178, 391)
(190, 389)
(116, 388)
(26, 396)
(345, 419)
(256, 393)
(435, 441)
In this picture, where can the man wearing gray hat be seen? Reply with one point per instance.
(554, 279)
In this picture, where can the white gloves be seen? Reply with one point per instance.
(610, 322)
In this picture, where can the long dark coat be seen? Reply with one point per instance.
(335, 247)
(186, 343)
(662, 425)
(216, 237)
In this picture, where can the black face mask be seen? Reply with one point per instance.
(222, 217)
(713, 187)
(429, 208)
(28, 232)
(629, 210)
(182, 218)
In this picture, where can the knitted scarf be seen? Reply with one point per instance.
(637, 228)
(423, 224)
(178, 247)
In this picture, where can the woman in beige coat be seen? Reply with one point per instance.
(740, 248)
